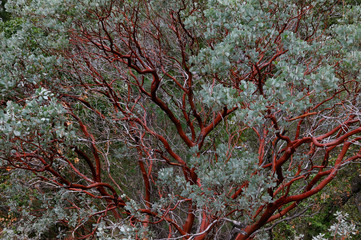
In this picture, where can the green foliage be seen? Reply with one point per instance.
(155, 119)
(220, 174)
(4, 15)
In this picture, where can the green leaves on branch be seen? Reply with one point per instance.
(40, 117)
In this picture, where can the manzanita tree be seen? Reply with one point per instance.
(174, 119)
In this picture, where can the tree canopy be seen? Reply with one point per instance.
(178, 119)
